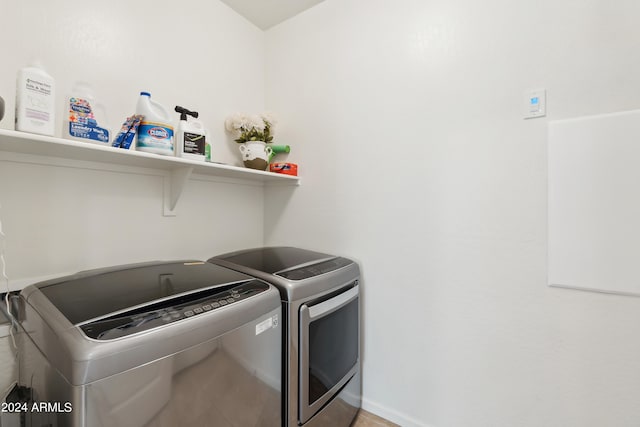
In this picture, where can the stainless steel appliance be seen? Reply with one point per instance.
(320, 296)
(158, 344)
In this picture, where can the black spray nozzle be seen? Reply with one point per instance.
(183, 113)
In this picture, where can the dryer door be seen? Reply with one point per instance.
(329, 340)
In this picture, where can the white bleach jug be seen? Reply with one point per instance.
(155, 133)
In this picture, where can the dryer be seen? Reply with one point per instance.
(320, 296)
(155, 344)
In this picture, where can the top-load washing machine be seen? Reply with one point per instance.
(156, 344)
(321, 348)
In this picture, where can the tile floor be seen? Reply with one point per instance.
(367, 419)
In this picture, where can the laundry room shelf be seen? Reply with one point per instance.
(178, 170)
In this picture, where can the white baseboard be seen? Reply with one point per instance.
(391, 415)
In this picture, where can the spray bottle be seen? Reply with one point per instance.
(191, 136)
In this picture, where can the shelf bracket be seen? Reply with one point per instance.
(174, 183)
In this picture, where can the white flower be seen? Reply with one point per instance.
(269, 118)
(229, 124)
(255, 122)
(235, 122)
(250, 127)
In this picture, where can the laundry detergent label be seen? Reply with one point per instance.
(155, 135)
(89, 131)
(80, 111)
(82, 122)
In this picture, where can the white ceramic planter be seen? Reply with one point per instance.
(255, 154)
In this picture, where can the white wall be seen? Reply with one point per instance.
(405, 119)
(201, 55)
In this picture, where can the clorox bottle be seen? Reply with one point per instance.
(155, 133)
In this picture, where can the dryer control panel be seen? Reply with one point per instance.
(315, 269)
(172, 310)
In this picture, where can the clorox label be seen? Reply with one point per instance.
(159, 133)
(155, 135)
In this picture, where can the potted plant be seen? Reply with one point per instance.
(254, 133)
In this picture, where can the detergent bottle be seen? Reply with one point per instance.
(81, 117)
(35, 100)
(155, 133)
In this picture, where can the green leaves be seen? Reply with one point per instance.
(256, 134)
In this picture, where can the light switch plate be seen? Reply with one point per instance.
(535, 103)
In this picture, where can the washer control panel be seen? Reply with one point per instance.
(176, 309)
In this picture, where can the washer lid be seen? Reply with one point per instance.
(275, 259)
(90, 295)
